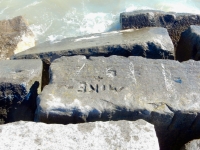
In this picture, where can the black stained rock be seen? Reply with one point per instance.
(175, 23)
(20, 83)
(189, 44)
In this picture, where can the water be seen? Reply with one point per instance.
(56, 19)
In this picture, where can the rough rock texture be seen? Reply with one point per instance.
(123, 135)
(175, 23)
(15, 37)
(163, 92)
(192, 145)
(19, 82)
(189, 44)
(147, 42)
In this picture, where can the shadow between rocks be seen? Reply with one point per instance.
(16, 103)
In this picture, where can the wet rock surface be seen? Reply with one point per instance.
(163, 92)
(20, 83)
(175, 23)
(15, 37)
(189, 44)
(148, 42)
(110, 135)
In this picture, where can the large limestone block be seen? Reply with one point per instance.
(175, 23)
(20, 82)
(189, 44)
(192, 145)
(163, 92)
(123, 135)
(147, 42)
(15, 37)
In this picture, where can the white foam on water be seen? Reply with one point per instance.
(96, 22)
(55, 38)
(32, 4)
(86, 38)
(132, 8)
(56, 19)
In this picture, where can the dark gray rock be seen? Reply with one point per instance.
(112, 135)
(20, 83)
(189, 44)
(175, 23)
(148, 42)
(192, 145)
(163, 92)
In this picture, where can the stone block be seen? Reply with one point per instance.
(162, 92)
(112, 135)
(152, 43)
(20, 83)
(175, 23)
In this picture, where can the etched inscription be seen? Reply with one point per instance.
(111, 72)
(82, 87)
(85, 87)
(92, 88)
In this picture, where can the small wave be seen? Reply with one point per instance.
(133, 8)
(40, 30)
(32, 4)
(2, 11)
(88, 22)
(86, 38)
(96, 22)
(178, 6)
(55, 38)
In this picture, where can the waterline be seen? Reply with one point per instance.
(57, 19)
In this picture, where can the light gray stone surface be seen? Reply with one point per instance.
(15, 37)
(163, 92)
(123, 135)
(147, 42)
(175, 23)
(188, 46)
(192, 145)
(20, 82)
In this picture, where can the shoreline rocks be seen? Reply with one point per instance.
(175, 23)
(20, 83)
(162, 92)
(153, 43)
(89, 89)
(15, 37)
(112, 135)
